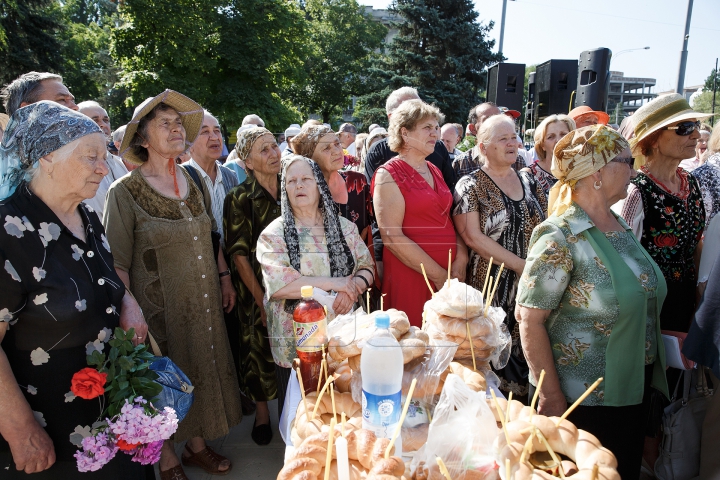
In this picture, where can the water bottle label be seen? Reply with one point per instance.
(381, 413)
(310, 337)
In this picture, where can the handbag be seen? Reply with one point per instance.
(177, 390)
(682, 430)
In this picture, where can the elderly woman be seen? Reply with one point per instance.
(59, 290)
(349, 189)
(159, 227)
(664, 205)
(495, 211)
(308, 245)
(547, 134)
(412, 205)
(589, 299)
(249, 208)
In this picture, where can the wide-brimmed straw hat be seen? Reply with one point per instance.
(191, 115)
(659, 113)
(577, 112)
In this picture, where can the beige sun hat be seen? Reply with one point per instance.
(659, 113)
(191, 115)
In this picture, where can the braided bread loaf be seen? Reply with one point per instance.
(305, 426)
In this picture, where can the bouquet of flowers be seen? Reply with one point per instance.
(131, 424)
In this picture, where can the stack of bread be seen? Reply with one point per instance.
(366, 454)
(457, 313)
(320, 413)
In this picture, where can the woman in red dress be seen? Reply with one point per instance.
(412, 205)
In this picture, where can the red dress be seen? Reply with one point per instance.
(427, 222)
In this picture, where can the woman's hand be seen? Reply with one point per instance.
(229, 295)
(552, 405)
(263, 313)
(33, 451)
(131, 316)
(346, 285)
(459, 268)
(343, 303)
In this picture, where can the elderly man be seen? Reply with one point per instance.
(204, 166)
(290, 133)
(35, 86)
(347, 134)
(252, 119)
(450, 136)
(116, 167)
(585, 116)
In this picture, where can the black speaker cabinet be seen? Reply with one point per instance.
(555, 80)
(594, 79)
(506, 85)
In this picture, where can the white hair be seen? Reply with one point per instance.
(89, 104)
(399, 96)
(119, 133)
(253, 119)
(485, 133)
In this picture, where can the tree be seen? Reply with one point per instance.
(703, 102)
(341, 40)
(442, 50)
(709, 80)
(27, 38)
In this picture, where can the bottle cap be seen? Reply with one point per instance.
(382, 320)
(306, 291)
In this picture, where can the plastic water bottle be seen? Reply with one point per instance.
(310, 327)
(381, 365)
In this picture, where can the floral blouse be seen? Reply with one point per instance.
(565, 274)
(278, 272)
(708, 177)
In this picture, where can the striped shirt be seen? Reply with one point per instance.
(217, 194)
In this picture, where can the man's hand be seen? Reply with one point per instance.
(32, 451)
(228, 293)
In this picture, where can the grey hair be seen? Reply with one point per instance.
(119, 133)
(399, 96)
(89, 104)
(485, 132)
(251, 119)
(26, 88)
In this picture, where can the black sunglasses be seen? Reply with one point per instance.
(630, 161)
(685, 128)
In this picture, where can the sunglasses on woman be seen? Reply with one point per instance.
(629, 161)
(685, 128)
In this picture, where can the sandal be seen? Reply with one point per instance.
(175, 473)
(206, 459)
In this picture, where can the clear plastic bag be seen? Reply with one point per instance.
(461, 434)
(457, 300)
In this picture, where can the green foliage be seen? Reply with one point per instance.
(703, 102)
(27, 38)
(442, 50)
(341, 42)
(709, 80)
(128, 372)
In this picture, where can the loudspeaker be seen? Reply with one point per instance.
(506, 85)
(555, 80)
(594, 75)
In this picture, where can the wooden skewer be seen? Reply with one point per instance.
(492, 295)
(555, 458)
(382, 299)
(537, 391)
(595, 472)
(443, 468)
(367, 295)
(322, 371)
(317, 404)
(422, 267)
(449, 263)
(508, 469)
(328, 457)
(526, 448)
(487, 276)
(343, 424)
(302, 390)
(485, 297)
(402, 418)
(332, 398)
(579, 401)
(472, 348)
(501, 415)
(507, 409)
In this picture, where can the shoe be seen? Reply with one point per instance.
(248, 406)
(206, 459)
(262, 434)
(175, 473)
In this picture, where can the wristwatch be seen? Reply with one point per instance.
(225, 273)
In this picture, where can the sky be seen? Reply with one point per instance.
(540, 30)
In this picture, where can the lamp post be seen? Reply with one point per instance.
(502, 27)
(621, 93)
(684, 52)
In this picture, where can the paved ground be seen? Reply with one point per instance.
(250, 461)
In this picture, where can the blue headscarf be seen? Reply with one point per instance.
(33, 132)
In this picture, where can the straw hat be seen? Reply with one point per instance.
(577, 112)
(4, 119)
(191, 115)
(659, 113)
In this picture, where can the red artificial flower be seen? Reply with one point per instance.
(88, 383)
(665, 240)
(126, 447)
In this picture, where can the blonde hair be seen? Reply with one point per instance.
(408, 115)
(714, 142)
(541, 131)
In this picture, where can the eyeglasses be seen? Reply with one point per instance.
(630, 161)
(685, 128)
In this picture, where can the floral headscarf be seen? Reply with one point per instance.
(304, 143)
(33, 132)
(342, 261)
(577, 155)
(247, 138)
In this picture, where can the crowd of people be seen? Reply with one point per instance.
(599, 231)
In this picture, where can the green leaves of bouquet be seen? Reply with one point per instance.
(128, 371)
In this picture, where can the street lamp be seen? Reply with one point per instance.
(502, 27)
(620, 53)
